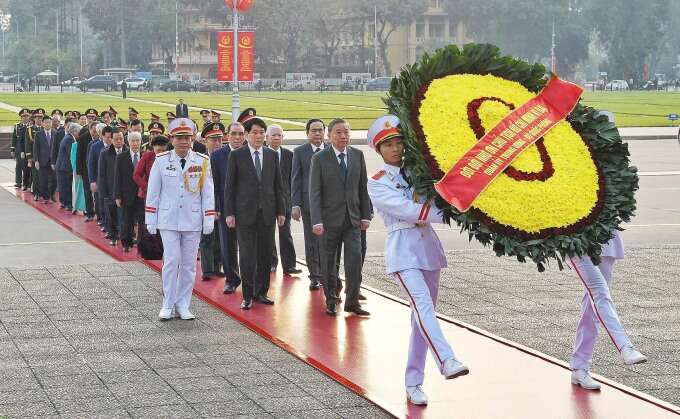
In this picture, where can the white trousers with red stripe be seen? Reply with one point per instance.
(597, 307)
(180, 249)
(422, 288)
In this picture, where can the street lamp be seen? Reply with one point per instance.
(5, 20)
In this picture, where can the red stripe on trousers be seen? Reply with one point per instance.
(592, 300)
(413, 304)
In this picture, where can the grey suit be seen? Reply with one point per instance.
(340, 206)
(302, 157)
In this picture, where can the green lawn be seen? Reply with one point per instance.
(631, 108)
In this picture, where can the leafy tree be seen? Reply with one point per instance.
(390, 15)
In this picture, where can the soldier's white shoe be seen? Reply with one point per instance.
(632, 356)
(416, 395)
(583, 379)
(165, 314)
(185, 314)
(453, 368)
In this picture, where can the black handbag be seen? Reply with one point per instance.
(150, 246)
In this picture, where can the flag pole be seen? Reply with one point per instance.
(235, 99)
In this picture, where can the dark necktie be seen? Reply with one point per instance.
(316, 150)
(49, 138)
(135, 160)
(343, 166)
(258, 165)
(182, 162)
(403, 174)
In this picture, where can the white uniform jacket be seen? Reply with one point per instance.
(175, 199)
(407, 246)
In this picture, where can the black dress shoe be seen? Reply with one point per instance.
(220, 275)
(293, 271)
(62, 206)
(102, 228)
(362, 297)
(272, 269)
(35, 198)
(113, 243)
(24, 188)
(262, 299)
(206, 276)
(47, 201)
(357, 310)
(16, 185)
(247, 304)
(330, 310)
(229, 289)
(88, 219)
(314, 285)
(69, 209)
(126, 249)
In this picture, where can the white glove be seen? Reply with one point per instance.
(23, 155)
(37, 166)
(208, 228)
(151, 228)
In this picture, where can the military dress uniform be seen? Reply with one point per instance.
(29, 139)
(21, 172)
(180, 203)
(414, 257)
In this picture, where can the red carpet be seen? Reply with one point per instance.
(368, 355)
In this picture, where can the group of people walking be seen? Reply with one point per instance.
(223, 191)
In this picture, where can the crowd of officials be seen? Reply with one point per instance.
(98, 165)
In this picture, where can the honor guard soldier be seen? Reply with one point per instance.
(114, 113)
(413, 254)
(17, 149)
(155, 118)
(171, 117)
(57, 112)
(180, 203)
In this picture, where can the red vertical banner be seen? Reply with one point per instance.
(225, 56)
(244, 5)
(246, 55)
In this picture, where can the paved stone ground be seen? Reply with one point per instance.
(541, 310)
(83, 341)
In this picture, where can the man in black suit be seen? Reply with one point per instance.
(125, 189)
(181, 109)
(302, 157)
(253, 204)
(340, 208)
(228, 242)
(105, 178)
(42, 157)
(286, 246)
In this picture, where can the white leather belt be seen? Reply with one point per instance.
(402, 225)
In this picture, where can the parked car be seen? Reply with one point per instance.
(133, 83)
(98, 82)
(74, 81)
(617, 85)
(176, 86)
(379, 83)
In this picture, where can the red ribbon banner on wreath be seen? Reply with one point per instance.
(494, 152)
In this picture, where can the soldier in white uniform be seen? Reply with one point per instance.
(413, 254)
(597, 307)
(180, 203)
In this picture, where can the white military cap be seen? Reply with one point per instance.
(182, 126)
(383, 128)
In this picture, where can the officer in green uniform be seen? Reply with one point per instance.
(17, 150)
(29, 138)
(211, 256)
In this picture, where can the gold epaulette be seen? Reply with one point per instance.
(202, 155)
(162, 154)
